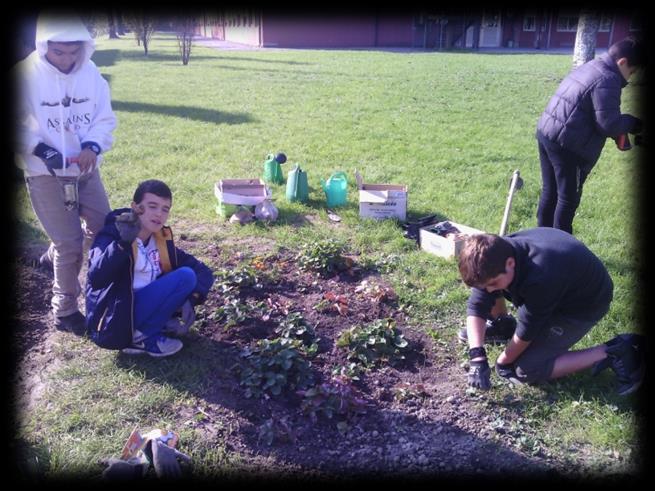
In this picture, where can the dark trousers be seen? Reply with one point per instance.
(562, 178)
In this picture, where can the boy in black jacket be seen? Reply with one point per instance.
(137, 279)
(561, 290)
(577, 121)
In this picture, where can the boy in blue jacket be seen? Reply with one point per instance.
(561, 290)
(572, 130)
(137, 279)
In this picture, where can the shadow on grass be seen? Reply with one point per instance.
(188, 112)
(109, 57)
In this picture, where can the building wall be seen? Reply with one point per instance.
(317, 32)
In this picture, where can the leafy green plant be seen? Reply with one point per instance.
(338, 396)
(230, 282)
(276, 428)
(294, 326)
(273, 366)
(374, 342)
(324, 257)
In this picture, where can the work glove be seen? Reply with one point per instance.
(181, 326)
(165, 460)
(507, 372)
(129, 226)
(479, 375)
(119, 469)
(50, 156)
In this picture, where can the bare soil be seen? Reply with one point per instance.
(420, 421)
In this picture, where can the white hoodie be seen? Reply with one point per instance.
(46, 97)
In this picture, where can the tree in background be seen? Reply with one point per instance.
(585, 37)
(184, 29)
(111, 24)
(143, 25)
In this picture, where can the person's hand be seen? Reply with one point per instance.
(479, 375)
(188, 315)
(165, 460)
(180, 327)
(87, 160)
(50, 156)
(128, 225)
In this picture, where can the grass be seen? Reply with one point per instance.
(452, 126)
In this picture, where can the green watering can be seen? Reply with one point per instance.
(336, 189)
(272, 169)
(297, 187)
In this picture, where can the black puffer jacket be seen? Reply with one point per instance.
(586, 110)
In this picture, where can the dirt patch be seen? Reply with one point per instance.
(418, 419)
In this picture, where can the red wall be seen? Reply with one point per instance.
(335, 31)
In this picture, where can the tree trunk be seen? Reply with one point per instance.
(585, 38)
(111, 24)
(120, 27)
(184, 27)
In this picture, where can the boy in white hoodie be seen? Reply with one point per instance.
(65, 124)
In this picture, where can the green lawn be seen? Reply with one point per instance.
(451, 126)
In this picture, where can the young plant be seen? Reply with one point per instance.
(324, 257)
(273, 366)
(378, 341)
(338, 396)
(294, 326)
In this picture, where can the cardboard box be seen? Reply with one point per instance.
(382, 201)
(232, 193)
(448, 246)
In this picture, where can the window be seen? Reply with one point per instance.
(530, 23)
(567, 23)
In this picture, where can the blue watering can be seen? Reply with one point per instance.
(336, 189)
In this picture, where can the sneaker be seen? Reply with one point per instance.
(498, 331)
(625, 356)
(155, 346)
(75, 323)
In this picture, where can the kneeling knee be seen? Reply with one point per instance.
(532, 374)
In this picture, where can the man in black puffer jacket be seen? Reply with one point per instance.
(572, 130)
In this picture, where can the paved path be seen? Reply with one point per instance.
(229, 45)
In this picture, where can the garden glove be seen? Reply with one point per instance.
(181, 326)
(507, 372)
(128, 225)
(164, 459)
(479, 375)
(119, 469)
(50, 156)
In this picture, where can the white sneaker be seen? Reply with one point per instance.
(155, 346)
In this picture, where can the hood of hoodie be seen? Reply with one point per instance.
(63, 28)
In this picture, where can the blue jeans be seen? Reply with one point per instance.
(155, 303)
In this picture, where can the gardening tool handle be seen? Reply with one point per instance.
(508, 206)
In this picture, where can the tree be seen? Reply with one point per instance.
(585, 37)
(143, 26)
(184, 29)
(111, 24)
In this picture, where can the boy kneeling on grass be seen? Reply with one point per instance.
(561, 290)
(137, 279)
